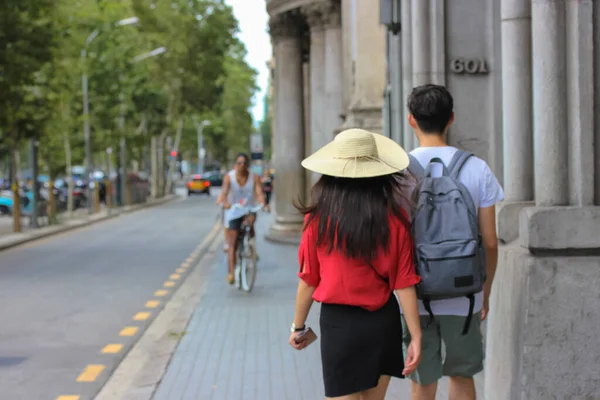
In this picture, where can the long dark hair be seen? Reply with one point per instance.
(353, 214)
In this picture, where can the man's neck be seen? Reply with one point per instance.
(431, 140)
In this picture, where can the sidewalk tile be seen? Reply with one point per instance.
(235, 347)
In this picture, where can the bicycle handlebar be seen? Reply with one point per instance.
(249, 210)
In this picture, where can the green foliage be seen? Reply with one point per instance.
(231, 131)
(27, 38)
(203, 74)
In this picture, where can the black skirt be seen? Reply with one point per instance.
(359, 346)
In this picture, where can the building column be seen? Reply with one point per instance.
(516, 100)
(369, 69)
(420, 55)
(580, 54)
(334, 81)
(408, 136)
(517, 108)
(421, 43)
(326, 82)
(289, 127)
(314, 14)
(347, 56)
(549, 105)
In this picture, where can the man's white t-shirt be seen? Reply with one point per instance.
(486, 191)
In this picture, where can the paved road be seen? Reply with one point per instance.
(67, 297)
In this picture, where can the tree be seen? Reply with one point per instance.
(231, 132)
(27, 33)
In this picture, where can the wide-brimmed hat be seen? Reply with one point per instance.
(357, 153)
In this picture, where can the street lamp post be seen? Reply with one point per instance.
(201, 151)
(86, 105)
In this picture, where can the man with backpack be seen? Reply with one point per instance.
(456, 247)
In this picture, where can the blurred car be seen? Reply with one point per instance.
(197, 184)
(6, 202)
(214, 177)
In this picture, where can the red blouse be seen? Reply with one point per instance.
(342, 280)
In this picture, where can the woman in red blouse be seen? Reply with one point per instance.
(356, 251)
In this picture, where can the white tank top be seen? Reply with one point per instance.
(239, 194)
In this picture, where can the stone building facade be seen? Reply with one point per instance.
(329, 75)
(525, 75)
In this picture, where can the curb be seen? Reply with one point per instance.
(55, 230)
(139, 374)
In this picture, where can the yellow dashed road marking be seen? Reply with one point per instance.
(161, 292)
(128, 331)
(185, 265)
(152, 303)
(189, 260)
(90, 373)
(169, 284)
(112, 348)
(67, 398)
(175, 276)
(180, 270)
(141, 316)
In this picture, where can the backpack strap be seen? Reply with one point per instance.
(415, 167)
(445, 171)
(458, 161)
(427, 305)
(471, 298)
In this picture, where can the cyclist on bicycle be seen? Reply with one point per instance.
(242, 187)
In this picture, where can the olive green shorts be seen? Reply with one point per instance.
(463, 354)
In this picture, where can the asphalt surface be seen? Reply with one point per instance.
(67, 297)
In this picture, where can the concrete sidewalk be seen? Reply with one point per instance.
(235, 346)
(79, 220)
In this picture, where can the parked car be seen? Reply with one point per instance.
(198, 184)
(7, 204)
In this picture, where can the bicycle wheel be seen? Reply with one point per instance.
(239, 266)
(248, 268)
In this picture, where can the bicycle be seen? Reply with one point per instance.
(245, 269)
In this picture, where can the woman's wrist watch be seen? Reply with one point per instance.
(294, 329)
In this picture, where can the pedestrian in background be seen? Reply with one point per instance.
(356, 251)
(267, 183)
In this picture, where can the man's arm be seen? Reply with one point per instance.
(222, 199)
(487, 227)
(260, 196)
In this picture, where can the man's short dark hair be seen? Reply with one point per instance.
(432, 107)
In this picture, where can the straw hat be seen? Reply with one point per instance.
(356, 153)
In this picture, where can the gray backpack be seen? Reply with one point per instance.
(449, 254)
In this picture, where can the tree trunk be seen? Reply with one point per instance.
(70, 186)
(14, 156)
(161, 163)
(51, 208)
(154, 167)
(173, 160)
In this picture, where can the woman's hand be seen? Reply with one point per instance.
(304, 301)
(413, 357)
(410, 310)
(297, 345)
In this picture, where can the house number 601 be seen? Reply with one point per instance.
(468, 66)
